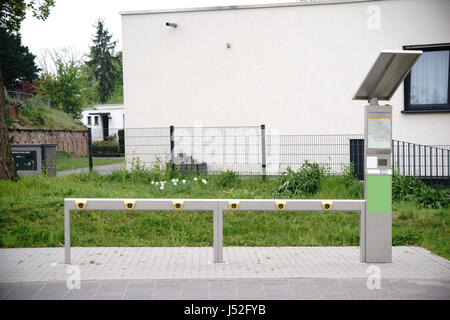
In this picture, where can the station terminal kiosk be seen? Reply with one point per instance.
(383, 79)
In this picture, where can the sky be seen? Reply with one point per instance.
(71, 22)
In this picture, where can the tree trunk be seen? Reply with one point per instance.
(7, 171)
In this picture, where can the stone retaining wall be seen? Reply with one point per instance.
(75, 142)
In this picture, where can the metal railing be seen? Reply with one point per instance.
(411, 159)
(23, 96)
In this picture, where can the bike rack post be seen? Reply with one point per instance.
(217, 206)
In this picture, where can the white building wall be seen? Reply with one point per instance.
(294, 68)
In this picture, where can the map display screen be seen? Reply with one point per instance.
(379, 133)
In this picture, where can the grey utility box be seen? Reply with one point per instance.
(34, 159)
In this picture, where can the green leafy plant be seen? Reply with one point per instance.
(304, 181)
(227, 179)
(105, 147)
(36, 113)
(354, 187)
(410, 188)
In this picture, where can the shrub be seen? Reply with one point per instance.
(105, 148)
(226, 179)
(406, 188)
(305, 181)
(353, 186)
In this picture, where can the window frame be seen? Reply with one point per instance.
(96, 120)
(425, 108)
(89, 120)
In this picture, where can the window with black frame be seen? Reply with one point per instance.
(427, 85)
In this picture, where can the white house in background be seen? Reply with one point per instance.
(104, 120)
(293, 67)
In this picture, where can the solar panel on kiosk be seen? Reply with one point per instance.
(386, 75)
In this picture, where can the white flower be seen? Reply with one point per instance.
(195, 179)
(173, 180)
(204, 181)
(175, 183)
(162, 187)
(184, 180)
(156, 183)
(153, 182)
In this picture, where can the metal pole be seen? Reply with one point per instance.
(431, 162)
(392, 155)
(403, 157)
(90, 148)
(362, 233)
(66, 235)
(218, 234)
(420, 162)
(172, 147)
(409, 159)
(263, 150)
(425, 160)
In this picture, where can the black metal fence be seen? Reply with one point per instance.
(255, 150)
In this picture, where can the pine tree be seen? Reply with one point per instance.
(102, 62)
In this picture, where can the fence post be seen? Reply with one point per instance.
(172, 147)
(263, 150)
(90, 148)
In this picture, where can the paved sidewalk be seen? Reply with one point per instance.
(249, 273)
(271, 289)
(105, 169)
(124, 263)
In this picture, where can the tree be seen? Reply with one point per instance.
(64, 88)
(12, 13)
(102, 62)
(16, 60)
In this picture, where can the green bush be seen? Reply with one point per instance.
(353, 186)
(226, 179)
(413, 189)
(305, 181)
(105, 148)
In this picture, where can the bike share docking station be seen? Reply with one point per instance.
(381, 82)
(383, 79)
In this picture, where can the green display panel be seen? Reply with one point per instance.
(378, 193)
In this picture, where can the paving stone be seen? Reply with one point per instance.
(4, 289)
(222, 290)
(250, 290)
(52, 291)
(87, 291)
(304, 289)
(167, 290)
(195, 290)
(139, 290)
(277, 290)
(23, 291)
(111, 290)
(408, 287)
(332, 289)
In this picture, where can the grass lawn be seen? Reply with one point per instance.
(65, 161)
(31, 215)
